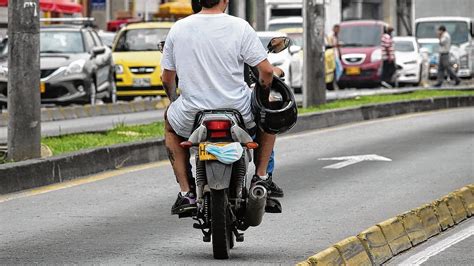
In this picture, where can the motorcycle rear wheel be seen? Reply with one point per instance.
(221, 243)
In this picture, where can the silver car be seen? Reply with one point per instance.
(75, 66)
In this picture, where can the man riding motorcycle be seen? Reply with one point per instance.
(208, 51)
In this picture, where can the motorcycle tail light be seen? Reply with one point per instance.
(218, 125)
(218, 129)
(219, 134)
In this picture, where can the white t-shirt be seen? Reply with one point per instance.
(208, 53)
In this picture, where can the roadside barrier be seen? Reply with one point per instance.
(387, 239)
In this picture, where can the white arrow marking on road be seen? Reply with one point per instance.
(350, 160)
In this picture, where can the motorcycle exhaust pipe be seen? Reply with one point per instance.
(256, 206)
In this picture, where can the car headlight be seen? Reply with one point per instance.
(464, 60)
(76, 67)
(376, 56)
(118, 69)
(411, 62)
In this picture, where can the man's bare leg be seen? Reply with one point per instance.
(179, 157)
(266, 143)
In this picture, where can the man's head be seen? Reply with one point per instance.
(389, 30)
(441, 29)
(336, 28)
(196, 4)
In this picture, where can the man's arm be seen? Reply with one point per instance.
(265, 70)
(169, 84)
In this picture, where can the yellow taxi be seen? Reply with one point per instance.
(137, 59)
(296, 34)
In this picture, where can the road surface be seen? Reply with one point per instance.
(124, 217)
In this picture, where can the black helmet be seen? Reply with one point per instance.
(276, 115)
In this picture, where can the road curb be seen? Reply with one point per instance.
(400, 233)
(41, 172)
(34, 173)
(74, 112)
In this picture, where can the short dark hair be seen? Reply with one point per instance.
(442, 28)
(210, 3)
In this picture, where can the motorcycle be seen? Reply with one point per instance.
(226, 205)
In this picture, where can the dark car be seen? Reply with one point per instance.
(75, 66)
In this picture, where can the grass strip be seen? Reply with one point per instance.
(374, 99)
(120, 134)
(126, 134)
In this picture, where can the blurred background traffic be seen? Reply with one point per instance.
(95, 51)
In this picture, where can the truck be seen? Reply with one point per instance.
(291, 11)
(461, 30)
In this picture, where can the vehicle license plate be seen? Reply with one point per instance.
(353, 71)
(142, 82)
(204, 155)
(42, 87)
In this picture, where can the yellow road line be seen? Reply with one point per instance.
(80, 181)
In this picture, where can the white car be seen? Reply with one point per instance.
(412, 67)
(285, 23)
(296, 51)
(282, 59)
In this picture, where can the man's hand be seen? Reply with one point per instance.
(169, 84)
(278, 72)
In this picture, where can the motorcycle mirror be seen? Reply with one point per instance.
(278, 44)
(161, 46)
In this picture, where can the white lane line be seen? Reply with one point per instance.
(350, 160)
(439, 247)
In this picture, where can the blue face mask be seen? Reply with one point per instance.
(227, 154)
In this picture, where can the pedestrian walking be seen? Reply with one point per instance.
(332, 39)
(388, 58)
(443, 65)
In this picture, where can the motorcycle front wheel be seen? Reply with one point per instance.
(220, 224)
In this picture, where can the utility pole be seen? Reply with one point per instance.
(261, 15)
(314, 85)
(24, 97)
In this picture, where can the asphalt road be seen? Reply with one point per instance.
(452, 247)
(125, 219)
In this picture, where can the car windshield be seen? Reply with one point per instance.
(458, 30)
(280, 26)
(360, 35)
(61, 42)
(431, 47)
(404, 46)
(141, 40)
(107, 39)
(296, 38)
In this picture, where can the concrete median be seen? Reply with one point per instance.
(398, 234)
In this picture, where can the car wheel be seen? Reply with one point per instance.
(93, 94)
